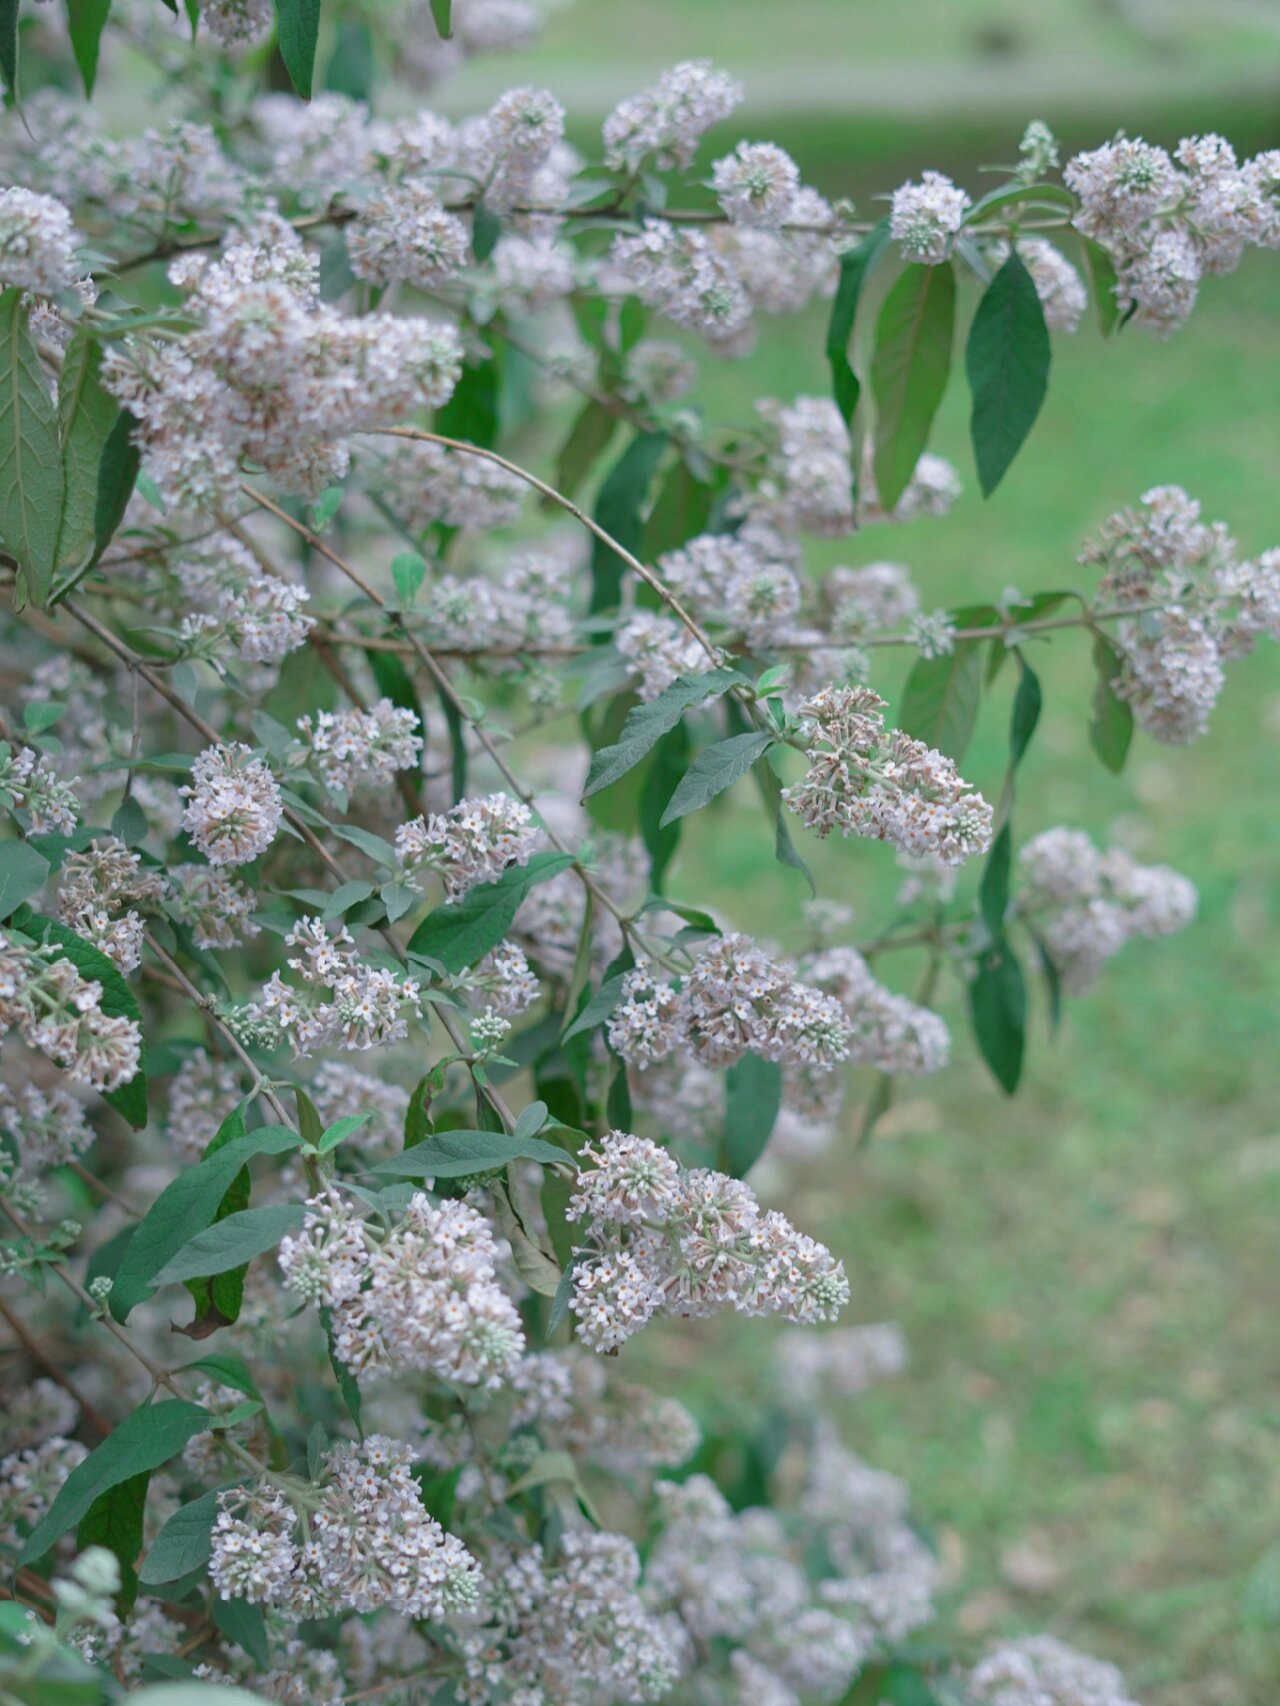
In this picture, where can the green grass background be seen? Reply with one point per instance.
(1087, 1274)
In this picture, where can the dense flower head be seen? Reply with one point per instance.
(681, 273)
(361, 749)
(30, 783)
(756, 184)
(403, 232)
(1040, 1670)
(925, 218)
(670, 119)
(367, 1542)
(425, 1296)
(864, 779)
(886, 1030)
(234, 808)
(60, 1014)
(690, 1242)
(228, 592)
(37, 243)
(475, 841)
(1086, 904)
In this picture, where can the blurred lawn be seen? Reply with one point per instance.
(1088, 1274)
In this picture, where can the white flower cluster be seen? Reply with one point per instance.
(733, 1000)
(681, 272)
(342, 1002)
(59, 1013)
(30, 1481)
(475, 841)
(217, 908)
(99, 881)
(203, 1092)
(660, 647)
(578, 1630)
(423, 483)
(272, 375)
(1040, 1670)
(871, 600)
(812, 465)
(864, 779)
(925, 218)
(37, 243)
(1086, 904)
(732, 580)
(670, 119)
(229, 594)
(423, 1295)
(757, 184)
(505, 976)
(1209, 607)
(1167, 222)
(367, 1542)
(233, 806)
(36, 1412)
(354, 749)
(231, 22)
(29, 782)
(689, 1242)
(886, 1030)
(47, 1126)
(404, 233)
(1058, 285)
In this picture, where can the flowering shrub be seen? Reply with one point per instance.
(288, 649)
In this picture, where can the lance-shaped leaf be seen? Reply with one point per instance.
(941, 698)
(231, 1242)
(23, 873)
(186, 1206)
(1111, 717)
(753, 1096)
(185, 1543)
(455, 1154)
(646, 724)
(463, 932)
(1007, 360)
(620, 507)
(115, 1520)
(855, 264)
(714, 769)
(297, 30)
(117, 475)
(998, 1010)
(86, 414)
(142, 1442)
(31, 477)
(909, 372)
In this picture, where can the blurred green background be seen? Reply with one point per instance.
(1087, 1275)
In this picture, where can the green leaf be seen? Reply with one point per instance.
(9, 46)
(1027, 704)
(941, 698)
(23, 873)
(647, 723)
(186, 1206)
(1007, 361)
(117, 475)
(115, 1520)
(588, 440)
(455, 1154)
(199, 1693)
(242, 1623)
(597, 1010)
(784, 848)
(31, 477)
(183, 1544)
(753, 1096)
(855, 265)
(352, 64)
(680, 511)
(998, 1011)
(297, 29)
(472, 411)
(231, 1243)
(714, 769)
(86, 415)
(457, 744)
(408, 571)
(668, 764)
(1111, 718)
(348, 1385)
(463, 932)
(341, 1130)
(530, 1120)
(1101, 272)
(1020, 195)
(85, 21)
(993, 895)
(442, 13)
(534, 1266)
(142, 1442)
(130, 1100)
(909, 372)
(486, 228)
(620, 506)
